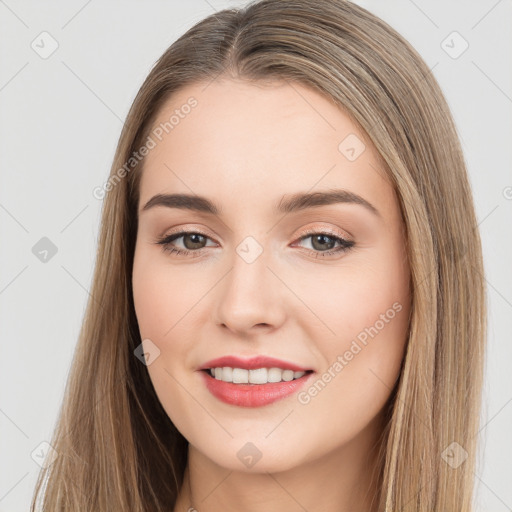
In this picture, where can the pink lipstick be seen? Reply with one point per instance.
(253, 382)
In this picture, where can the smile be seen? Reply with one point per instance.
(240, 391)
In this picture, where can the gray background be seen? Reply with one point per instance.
(61, 117)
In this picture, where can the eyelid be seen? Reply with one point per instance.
(327, 231)
(186, 229)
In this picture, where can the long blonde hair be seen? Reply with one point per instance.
(117, 448)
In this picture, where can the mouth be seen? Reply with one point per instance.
(253, 388)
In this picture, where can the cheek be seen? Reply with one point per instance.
(347, 301)
(161, 295)
(151, 299)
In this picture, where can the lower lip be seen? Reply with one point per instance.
(252, 395)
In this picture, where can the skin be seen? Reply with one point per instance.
(244, 146)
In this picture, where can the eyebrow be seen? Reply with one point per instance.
(287, 204)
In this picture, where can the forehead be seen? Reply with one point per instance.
(255, 141)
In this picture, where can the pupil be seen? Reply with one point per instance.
(322, 239)
(196, 238)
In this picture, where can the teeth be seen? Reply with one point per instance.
(256, 376)
(227, 374)
(240, 376)
(275, 374)
(288, 375)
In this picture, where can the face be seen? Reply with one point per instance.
(243, 267)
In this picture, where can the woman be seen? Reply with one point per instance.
(288, 305)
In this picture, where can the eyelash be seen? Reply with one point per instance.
(165, 242)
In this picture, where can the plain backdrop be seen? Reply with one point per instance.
(60, 119)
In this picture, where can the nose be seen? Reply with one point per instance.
(251, 298)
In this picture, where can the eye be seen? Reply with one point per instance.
(192, 240)
(322, 243)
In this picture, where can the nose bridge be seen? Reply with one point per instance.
(250, 293)
(250, 266)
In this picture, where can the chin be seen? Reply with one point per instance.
(257, 456)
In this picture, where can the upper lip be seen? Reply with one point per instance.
(252, 363)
